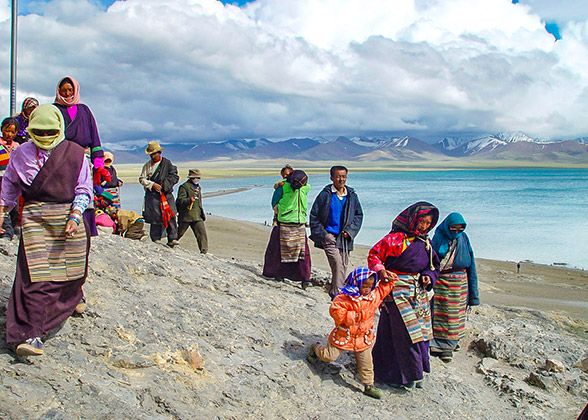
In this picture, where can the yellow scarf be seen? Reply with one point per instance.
(46, 117)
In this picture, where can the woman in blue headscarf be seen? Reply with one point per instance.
(456, 287)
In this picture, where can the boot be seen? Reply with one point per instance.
(372, 391)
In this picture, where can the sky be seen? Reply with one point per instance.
(204, 70)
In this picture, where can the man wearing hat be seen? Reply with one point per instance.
(189, 204)
(158, 178)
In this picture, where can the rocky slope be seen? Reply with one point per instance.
(171, 334)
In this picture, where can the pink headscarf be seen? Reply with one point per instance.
(73, 100)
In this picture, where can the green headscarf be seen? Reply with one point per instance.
(46, 117)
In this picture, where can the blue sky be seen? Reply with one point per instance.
(158, 70)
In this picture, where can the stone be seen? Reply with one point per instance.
(554, 365)
(582, 363)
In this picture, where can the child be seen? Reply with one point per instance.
(9, 130)
(353, 311)
(278, 191)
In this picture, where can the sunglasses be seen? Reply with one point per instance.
(44, 133)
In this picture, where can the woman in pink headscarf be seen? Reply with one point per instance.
(80, 127)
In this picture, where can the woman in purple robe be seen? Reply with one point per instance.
(401, 351)
(80, 127)
(53, 177)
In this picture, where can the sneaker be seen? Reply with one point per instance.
(81, 307)
(372, 391)
(31, 347)
(311, 356)
(306, 285)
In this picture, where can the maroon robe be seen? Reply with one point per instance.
(34, 309)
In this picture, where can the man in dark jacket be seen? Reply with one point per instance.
(158, 178)
(335, 220)
(191, 213)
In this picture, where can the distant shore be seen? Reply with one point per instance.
(220, 168)
(558, 289)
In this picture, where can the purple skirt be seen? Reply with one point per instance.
(34, 309)
(274, 267)
(397, 360)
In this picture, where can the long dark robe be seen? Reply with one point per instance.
(274, 267)
(165, 175)
(34, 309)
(397, 360)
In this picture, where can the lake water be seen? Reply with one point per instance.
(513, 215)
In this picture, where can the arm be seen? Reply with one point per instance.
(277, 195)
(389, 246)
(172, 178)
(113, 183)
(342, 313)
(183, 200)
(147, 184)
(83, 196)
(428, 276)
(473, 294)
(353, 227)
(96, 152)
(317, 230)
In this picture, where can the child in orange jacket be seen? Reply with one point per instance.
(353, 311)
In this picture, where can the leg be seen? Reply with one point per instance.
(182, 228)
(135, 231)
(365, 366)
(155, 231)
(172, 230)
(327, 352)
(335, 262)
(200, 232)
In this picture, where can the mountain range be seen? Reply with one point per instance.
(512, 146)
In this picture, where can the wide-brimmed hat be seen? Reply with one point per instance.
(194, 173)
(153, 147)
(108, 157)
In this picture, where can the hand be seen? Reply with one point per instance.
(156, 187)
(71, 228)
(192, 199)
(1, 223)
(120, 183)
(345, 235)
(385, 275)
(426, 281)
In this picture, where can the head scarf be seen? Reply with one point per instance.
(355, 279)
(27, 103)
(443, 236)
(108, 156)
(74, 99)
(46, 117)
(406, 222)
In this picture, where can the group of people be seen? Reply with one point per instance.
(56, 185)
(422, 287)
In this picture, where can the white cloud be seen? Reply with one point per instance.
(188, 70)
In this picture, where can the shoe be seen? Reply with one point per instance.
(158, 241)
(31, 347)
(144, 238)
(446, 356)
(173, 243)
(311, 356)
(372, 391)
(81, 307)
(419, 384)
(306, 285)
(204, 252)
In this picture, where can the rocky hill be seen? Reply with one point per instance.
(171, 334)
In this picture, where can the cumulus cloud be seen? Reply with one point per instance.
(193, 70)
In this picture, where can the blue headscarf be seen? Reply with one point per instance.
(443, 236)
(355, 279)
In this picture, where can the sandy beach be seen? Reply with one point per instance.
(561, 290)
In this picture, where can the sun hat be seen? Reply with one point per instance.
(153, 147)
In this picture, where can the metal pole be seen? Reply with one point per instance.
(13, 57)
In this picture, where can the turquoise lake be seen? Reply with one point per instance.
(513, 215)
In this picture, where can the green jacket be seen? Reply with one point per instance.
(186, 214)
(293, 204)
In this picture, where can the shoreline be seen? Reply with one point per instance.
(560, 290)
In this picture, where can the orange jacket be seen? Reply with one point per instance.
(354, 318)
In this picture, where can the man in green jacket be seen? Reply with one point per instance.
(191, 213)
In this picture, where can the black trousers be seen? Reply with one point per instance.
(156, 230)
